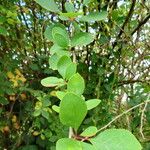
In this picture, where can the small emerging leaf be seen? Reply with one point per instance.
(60, 94)
(56, 108)
(90, 131)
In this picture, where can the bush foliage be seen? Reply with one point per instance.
(69, 70)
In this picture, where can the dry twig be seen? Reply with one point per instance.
(125, 112)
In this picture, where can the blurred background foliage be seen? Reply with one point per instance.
(115, 66)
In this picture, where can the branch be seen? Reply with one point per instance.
(127, 18)
(126, 21)
(132, 82)
(140, 24)
(142, 120)
(125, 112)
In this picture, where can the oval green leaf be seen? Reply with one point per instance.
(92, 103)
(116, 139)
(71, 70)
(60, 94)
(48, 31)
(69, 7)
(94, 16)
(76, 84)
(37, 112)
(90, 131)
(49, 5)
(81, 39)
(60, 36)
(56, 108)
(53, 60)
(55, 49)
(63, 64)
(52, 82)
(72, 110)
(45, 114)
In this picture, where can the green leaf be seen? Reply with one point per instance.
(116, 139)
(76, 27)
(64, 18)
(60, 94)
(85, 2)
(49, 5)
(53, 60)
(45, 114)
(70, 15)
(3, 100)
(3, 31)
(71, 70)
(52, 82)
(94, 16)
(92, 103)
(72, 110)
(63, 64)
(69, 7)
(57, 52)
(60, 36)
(63, 53)
(90, 131)
(68, 144)
(55, 48)
(48, 31)
(71, 144)
(86, 146)
(81, 39)
(46, 101)
(76, 84)
(56, 108)
(37, 112)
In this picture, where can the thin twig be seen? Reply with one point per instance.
(142, 120)
(125, 112)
